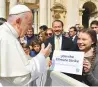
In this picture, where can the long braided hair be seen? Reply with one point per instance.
(93, 36)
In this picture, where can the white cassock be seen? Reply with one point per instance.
(15, 68)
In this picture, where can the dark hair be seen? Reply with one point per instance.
(94, 22)
(2, 20)
(24, 45)
(35, 42)
(43, 27)
(75, 29)
(58, 21)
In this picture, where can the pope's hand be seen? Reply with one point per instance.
(46, 51)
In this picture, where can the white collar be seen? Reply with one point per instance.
(73, 37)
(97, 36)
(58, 36)
(13, 31)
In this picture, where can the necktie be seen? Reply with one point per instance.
(71, 38)
(57, 45)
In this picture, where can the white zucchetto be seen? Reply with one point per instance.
(17, 9)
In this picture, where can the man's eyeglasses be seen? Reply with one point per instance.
(49, 34)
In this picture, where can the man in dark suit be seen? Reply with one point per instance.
(73, 34)
(64, 42)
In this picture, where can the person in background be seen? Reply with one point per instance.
(23, 40)
(26, 49)
(36, 47)
(66, 34)
(58, 41)
(73, 34)
(2, 20)
(77, 27)
(87, 40)
(43, 28)
(30, 36)
(49, 32)
(94, 26)
(15, 68)
(42, 36)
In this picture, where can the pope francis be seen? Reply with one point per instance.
(15, 68)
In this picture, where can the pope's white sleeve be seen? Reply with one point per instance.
(37, 65)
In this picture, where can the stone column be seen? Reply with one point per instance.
(35, 22)
(49, 13)
(75, 10)
(80, 15)
(38, 20)
(43, 12)
(3, 8)
(72, 16)
(12, 3)
(52, 4)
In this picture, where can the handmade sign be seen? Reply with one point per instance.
(68, 62)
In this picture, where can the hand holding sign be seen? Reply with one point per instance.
(68, 62)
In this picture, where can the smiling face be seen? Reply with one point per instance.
(57, 27)
(84, 41)
(30, 32)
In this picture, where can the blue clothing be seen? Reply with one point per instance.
(30, 39)
(33, 53)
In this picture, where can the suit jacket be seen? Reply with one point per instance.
(75, 39)
(67, 44)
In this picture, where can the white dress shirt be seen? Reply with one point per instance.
(97, 37)
(73, 37)
(60, 41)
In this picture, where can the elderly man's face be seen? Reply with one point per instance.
(26, 23)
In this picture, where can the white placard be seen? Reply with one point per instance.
(68, 62)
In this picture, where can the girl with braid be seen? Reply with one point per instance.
(87, 40)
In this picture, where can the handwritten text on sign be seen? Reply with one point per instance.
(68, 62)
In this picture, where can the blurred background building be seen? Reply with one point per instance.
(71, 12)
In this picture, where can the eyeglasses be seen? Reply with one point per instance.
(49, 34)
(93, 27)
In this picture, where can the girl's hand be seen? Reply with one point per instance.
(86, 66)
